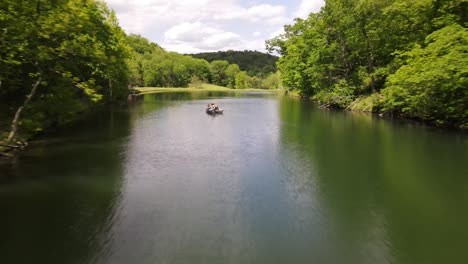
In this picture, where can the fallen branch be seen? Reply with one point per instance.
(14, 123)
(10, 146)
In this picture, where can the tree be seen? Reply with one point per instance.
(218, 72)
(255, 63)
(432, 84)
(349, 50)
(231, 73)
(241, 80)
(272, 81)
(71, 53)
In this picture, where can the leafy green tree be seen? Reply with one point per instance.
(150, 65)
(241, 80)
(254, 82)
(231, 73)
(349, 50)
(198, 68)
(272, 81)
(142, 45)
(255, 63)
(432, 83)
(59, 51)
(218, 72)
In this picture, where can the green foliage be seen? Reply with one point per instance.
(75, 47)
(272, 81)
(432, 84)
(253, 62)
(196, 82)
(241, 80)
(218, 70)
(254, 82)
(350, 49)
(366, 103)
(339, 97)
(149, 65)
(231, 73)
(141, 45)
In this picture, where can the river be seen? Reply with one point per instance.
(273, 180)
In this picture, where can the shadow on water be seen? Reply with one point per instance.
(273, 180)
(393, 192)
(58, 197)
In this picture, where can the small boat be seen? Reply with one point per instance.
(213, 109)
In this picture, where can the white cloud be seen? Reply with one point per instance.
(265, 11)
(200, 25)
(276, 33)
(309, 6)
(200, 36)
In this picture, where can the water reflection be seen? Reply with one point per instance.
(59, 198)
(388, 189)
(188, 195)
(273, 180)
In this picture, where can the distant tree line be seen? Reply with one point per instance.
(151, 66)
(404, 58)
(254, 63)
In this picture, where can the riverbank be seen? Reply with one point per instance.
(370, 104)
(25, 135)
(11, 148)
(192, 88)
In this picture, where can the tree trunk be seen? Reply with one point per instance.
(343, 45)
(370, 63)
(14, 124)
(110, 89)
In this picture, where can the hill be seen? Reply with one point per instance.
(253, 62)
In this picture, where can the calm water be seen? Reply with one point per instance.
(273, 180)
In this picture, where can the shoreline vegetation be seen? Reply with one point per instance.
(60, 59)
(198, 88)
(405, 59)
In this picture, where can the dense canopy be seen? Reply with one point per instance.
(63, 56)
(253, 62)
(407, 58)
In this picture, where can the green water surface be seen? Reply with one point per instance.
(273, 180)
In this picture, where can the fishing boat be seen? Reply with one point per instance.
(213, 109)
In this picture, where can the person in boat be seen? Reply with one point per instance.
(211, 107)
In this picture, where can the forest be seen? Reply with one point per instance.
(62, 58)
(255, 63)
(57, 59)
(395, 57)
(152, 66)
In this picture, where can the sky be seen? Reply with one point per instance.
(193, 26)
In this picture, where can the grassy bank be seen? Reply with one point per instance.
(203, 87)
(373, 103)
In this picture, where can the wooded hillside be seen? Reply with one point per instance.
(253, 62)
